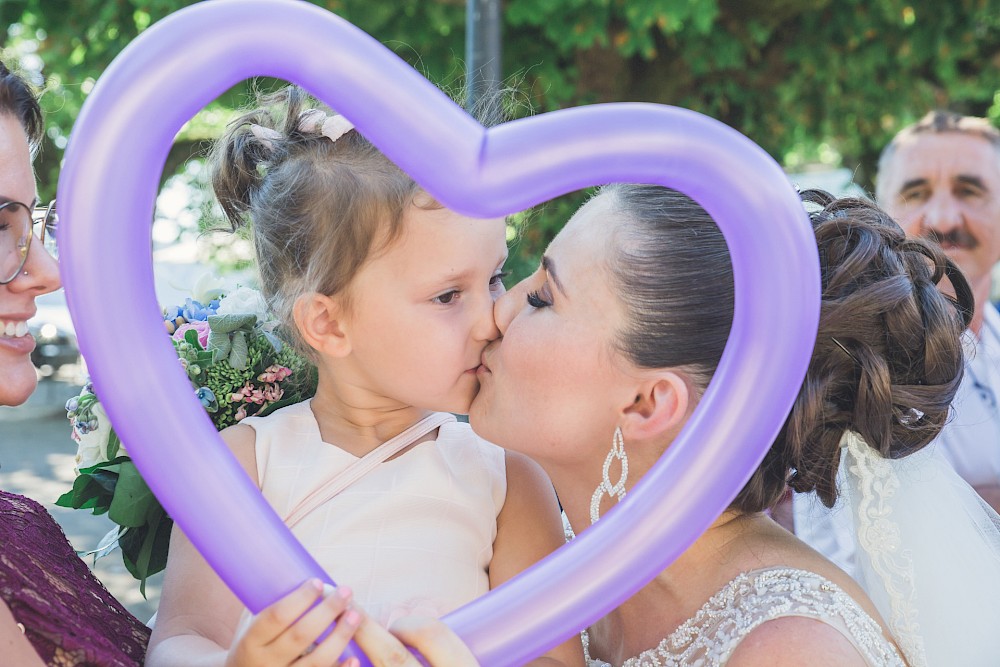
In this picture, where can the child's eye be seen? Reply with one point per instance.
(447, 297)
(498, 278)
(536, 301)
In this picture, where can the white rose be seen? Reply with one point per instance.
(244, 301)
(208, 286)
(93, 447)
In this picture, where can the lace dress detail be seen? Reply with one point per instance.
(70, 619)
(753, 598)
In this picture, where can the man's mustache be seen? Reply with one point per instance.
(955, 238)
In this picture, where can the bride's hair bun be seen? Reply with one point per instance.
(888, 357)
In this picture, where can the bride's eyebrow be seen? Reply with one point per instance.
(550, 267)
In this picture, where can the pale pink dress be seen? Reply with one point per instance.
(412, 536)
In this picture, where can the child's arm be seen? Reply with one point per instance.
(198, 615)
(530, 527)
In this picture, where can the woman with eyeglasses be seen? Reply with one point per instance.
(53, 611)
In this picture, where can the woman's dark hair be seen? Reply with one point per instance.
(17, 99)
(888, 357)
(675, 278)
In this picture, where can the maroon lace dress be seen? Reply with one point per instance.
(68, 616)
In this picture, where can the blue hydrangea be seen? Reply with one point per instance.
(207, 398)
(172, 313)
(194, 310)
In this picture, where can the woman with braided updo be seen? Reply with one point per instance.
(616, 337)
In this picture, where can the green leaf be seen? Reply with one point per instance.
(144, 550)
(67, 499)
(276, 343)
(219, 343)
(90, 491)
(239, 356)
(110, 466)
(132, 500)
(106, 478)
(114, 444)
(231, 323)
(191, 337)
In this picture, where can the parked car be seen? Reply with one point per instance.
(55, 339)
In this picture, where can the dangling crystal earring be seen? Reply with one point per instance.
(606, 487)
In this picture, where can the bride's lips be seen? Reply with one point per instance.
(483, 366)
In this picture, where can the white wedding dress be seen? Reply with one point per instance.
(929, 558)
(710, 637)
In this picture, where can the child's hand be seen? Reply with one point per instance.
(437, 643)
(286, 632)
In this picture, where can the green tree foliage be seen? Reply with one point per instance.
(797, 76)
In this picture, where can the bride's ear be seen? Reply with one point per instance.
(661, 405)
(322, 323)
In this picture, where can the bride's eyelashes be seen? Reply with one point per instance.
(536, 301)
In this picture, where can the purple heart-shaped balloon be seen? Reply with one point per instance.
(107, 193)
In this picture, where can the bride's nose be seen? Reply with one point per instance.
(505, 308)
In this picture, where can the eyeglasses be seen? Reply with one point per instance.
(16, 223)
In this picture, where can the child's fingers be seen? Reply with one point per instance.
(299, 639)
(276, 619)
(439, 645)
(329, 651)
(382, 647)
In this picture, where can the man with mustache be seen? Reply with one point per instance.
(940, 178)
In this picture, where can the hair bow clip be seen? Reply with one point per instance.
(314, 121)
(266, 135)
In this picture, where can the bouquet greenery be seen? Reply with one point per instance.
(238, 366)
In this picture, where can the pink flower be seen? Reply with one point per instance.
(241, 413)
(200, 326)
(274, 373)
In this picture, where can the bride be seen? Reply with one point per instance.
(611, 343)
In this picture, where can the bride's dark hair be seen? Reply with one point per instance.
(888, 356)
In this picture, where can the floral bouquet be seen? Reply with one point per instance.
(238, 366)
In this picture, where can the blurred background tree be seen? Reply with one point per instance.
(809, 80)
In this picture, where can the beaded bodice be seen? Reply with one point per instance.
(710, 637)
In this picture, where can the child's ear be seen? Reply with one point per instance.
(660, 406)
(321, 323)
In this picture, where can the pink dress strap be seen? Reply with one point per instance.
(366, 464)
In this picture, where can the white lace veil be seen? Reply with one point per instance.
(929, 554)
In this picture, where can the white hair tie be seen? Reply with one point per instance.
(314, 121)
(266, 135)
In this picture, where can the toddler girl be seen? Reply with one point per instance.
(391, 295)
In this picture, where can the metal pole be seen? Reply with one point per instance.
(483, 67)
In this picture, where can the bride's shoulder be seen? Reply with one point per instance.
(796, 640)
(805, 618)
